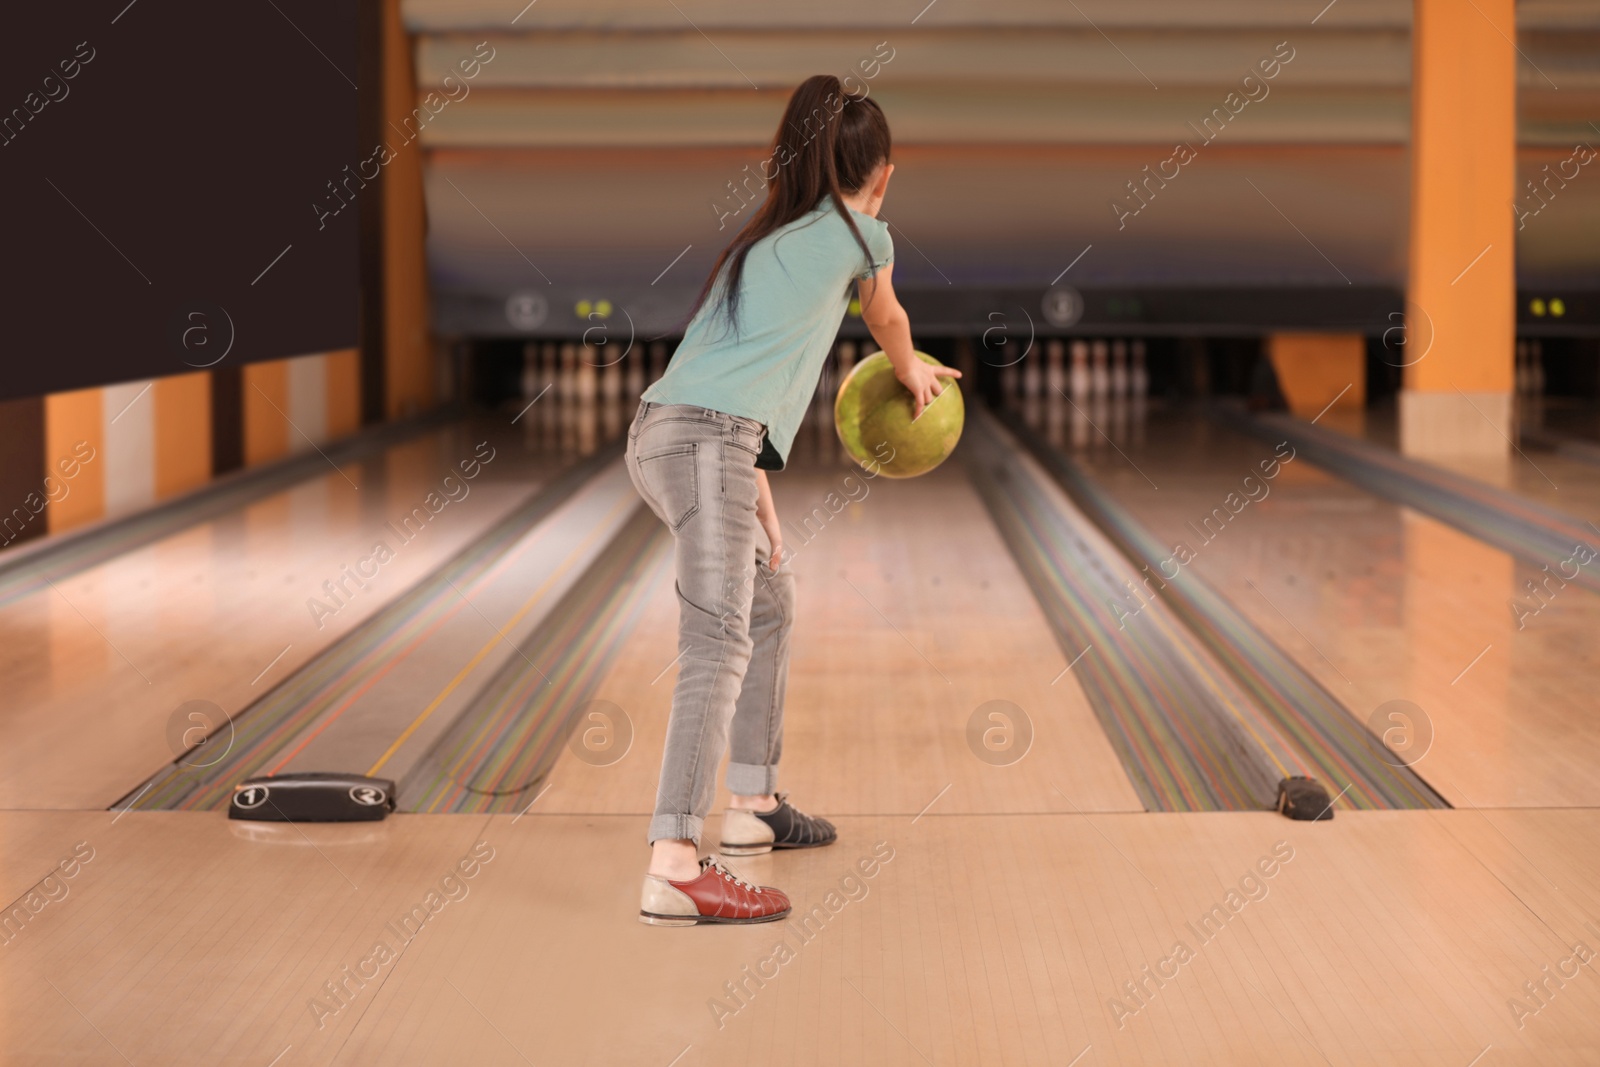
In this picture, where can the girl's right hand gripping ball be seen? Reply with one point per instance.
(873, 416)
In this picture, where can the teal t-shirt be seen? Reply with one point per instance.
(793, 295)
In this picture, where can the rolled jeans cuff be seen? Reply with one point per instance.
(752, 779)
(676, 828)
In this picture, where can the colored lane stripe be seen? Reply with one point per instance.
(507, 742)
(1188, 739)
(1315, 725)
(1525, 528)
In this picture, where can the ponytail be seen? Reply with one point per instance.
(828, 144)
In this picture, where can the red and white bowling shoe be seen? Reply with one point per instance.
(716, 896)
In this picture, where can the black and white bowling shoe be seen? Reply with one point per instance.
(751, 833)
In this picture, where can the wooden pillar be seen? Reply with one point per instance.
(344, 393)
(182, 428)
(410, 378)
(1461, 287)
(74, 430)
(265, 406)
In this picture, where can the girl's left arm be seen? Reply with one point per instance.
(767, 516)
(891, 328)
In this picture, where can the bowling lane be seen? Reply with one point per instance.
(99, 664)
(1379, 603)
(911, 615)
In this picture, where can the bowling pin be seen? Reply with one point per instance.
(658, 360)
(611, 394)
(1055, 389)
(610, 373)
(566, 394)
(587, 390)
(1139, 382)
(1099, 372)
(1536, 368)
(1032, 374)
(1119, 368)
(1522, 367)
(1079, 421)
(1138, 375)
(588, 375)
(1055, 369)
(1078, 379)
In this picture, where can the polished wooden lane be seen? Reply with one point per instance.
(911, 615)
(1381, 603)
(97, 665)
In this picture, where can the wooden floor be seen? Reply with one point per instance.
(1008, 906)
(1384, 938)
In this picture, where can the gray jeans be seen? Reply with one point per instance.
(696, 469)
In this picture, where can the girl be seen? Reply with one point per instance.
(724, 414)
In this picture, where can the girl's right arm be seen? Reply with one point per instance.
(891, 328)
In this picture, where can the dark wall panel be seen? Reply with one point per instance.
(175, 174)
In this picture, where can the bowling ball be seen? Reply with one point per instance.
(873, 416)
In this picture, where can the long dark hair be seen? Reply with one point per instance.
(829, 143)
